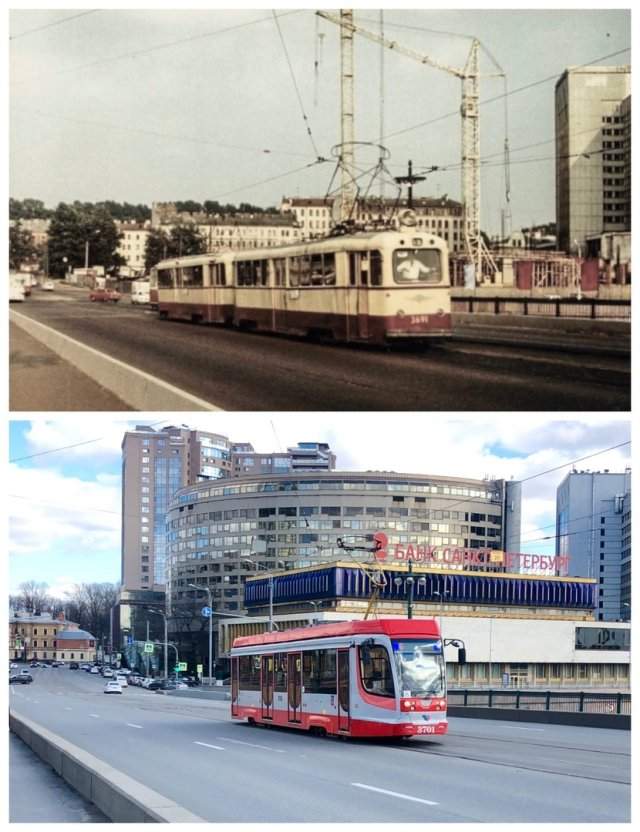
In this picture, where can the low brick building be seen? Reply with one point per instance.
(41, 636)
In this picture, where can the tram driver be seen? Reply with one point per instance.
(411, 268)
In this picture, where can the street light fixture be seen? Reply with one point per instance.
(210, 597)
(166, 642)
(270, 579)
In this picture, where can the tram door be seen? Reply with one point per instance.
(267, 671)
(278, 280)
(344, 713)
(359, 292)
(294, 685)
(234, 686)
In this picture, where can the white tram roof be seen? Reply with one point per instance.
(348, 242)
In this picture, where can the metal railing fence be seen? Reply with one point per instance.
(565, 701)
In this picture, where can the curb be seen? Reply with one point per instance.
(121, 798)
(619, 721)
(134, 387)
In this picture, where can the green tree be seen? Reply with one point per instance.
(186, 239)
(156, 249)
(21, 247)
(72, 227)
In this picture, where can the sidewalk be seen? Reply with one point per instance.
(38, 795)
(41, 380)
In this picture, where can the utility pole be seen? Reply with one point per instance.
(410, 582)
(348, 193)
(410, 179)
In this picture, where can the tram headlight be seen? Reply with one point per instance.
(400, 313)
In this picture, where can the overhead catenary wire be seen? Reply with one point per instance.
(158, 47)
(53, 23)
(295, 85)
(512, 92)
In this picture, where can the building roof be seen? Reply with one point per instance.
(75, 635)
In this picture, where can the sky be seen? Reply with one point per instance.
(158, 104)
(65, 505)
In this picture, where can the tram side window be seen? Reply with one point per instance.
(281, 672)
(323, 269)
(249, 672)
(217, 271)
(165, 278)
(375, 670)
(252, 273)
(279, 271)
(365, 268)
(319, 671)
(191, 276)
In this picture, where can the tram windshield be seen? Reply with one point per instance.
(417, 265)
(420, 666)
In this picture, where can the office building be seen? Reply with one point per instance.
(220, 534)
(593, 153)
(157, 462)
(590, 521)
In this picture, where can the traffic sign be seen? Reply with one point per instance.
(129, 639)
(148, 647)
(176, 669)
(182, 666)
(206, 612)
(199, 669)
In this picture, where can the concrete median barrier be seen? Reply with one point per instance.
(118, 796)
(134, 387)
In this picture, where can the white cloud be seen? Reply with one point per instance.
(50, 512)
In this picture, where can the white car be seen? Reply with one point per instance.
(95, 670)
(48, 286)
(122, 681)
(124, 671)
(112, 687)
(107, 673)
(16, 293)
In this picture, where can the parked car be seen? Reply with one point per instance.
(112, 686)
(48, 286)
(104, 295)
(34, 664)
(135, 679)
(154, 684)
(74, 666)
(13, 666)
(57, 664)
(16, 294)
(21, 678)
(107, 673)
(122, 681)
(95, 670)
(124, 671)
(24, 672)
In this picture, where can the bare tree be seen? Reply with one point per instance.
(33, 596)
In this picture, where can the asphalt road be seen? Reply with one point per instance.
(245, 371)
(191, 751)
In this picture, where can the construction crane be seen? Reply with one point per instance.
(475, 248)
(373, 569)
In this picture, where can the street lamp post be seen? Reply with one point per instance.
(209, 596)
(270, 581)
(166, 643)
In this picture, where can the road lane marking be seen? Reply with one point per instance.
(68, 709)
(252, 745)
(395, 794)
(208, 745)
(517, 727)
(96, 716)
(133, 725)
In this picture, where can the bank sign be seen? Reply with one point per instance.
(485, 559)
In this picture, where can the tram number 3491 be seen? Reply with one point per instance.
(426, 729)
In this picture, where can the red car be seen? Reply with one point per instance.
(104, 295)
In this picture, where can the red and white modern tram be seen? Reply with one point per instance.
(377, 287)
(379, 678)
